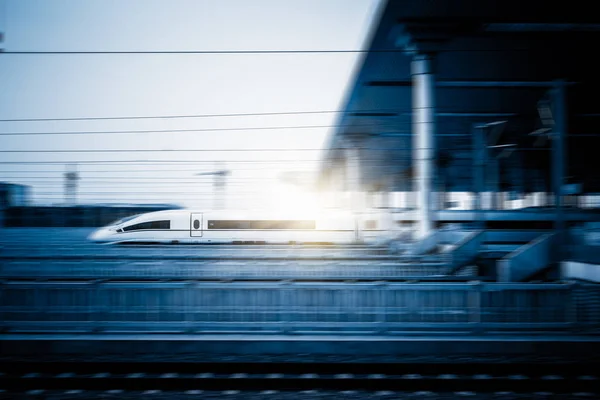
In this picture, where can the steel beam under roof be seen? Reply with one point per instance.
(468, 84)
(481, 76)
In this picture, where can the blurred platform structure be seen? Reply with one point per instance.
(302, 322)
(12, 195)
(64, 298)
(302, 308)
(483, 97)
(74, 215)
(489, 98)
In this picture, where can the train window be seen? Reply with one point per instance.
(282, 224)
(154, 225)
(196, 224)
(228, 225)
(260, 224)
(371, 224)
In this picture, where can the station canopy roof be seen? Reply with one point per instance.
(494, 62)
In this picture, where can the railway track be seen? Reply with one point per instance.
(200, 378)
(291, 395)
(257, 278)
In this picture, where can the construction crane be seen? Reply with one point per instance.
(71, 178)
(219, 184)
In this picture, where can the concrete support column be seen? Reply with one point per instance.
(406, 199)
(353, 176)
(495, 183)
(352, 155)
(479, 162)
(386, 194)
(423, 139)
(539, 199)
(372, 199)
(559, 154)
(386, 204)
(386, 199)
(338, 184)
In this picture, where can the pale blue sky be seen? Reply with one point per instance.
(64, 86)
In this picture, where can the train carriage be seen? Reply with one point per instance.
(223, 227)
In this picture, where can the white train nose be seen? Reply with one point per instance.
(99, 235)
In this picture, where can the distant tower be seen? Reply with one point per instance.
(71, 178)
(2, 22)
(219, 185)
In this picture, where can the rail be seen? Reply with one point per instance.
(267, 307)
(263, 380)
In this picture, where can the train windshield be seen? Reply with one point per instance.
(123, 220)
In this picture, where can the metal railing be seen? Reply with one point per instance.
(527, 260)
(20, 269)
(461, 248)
(466, 251)
(240, 307)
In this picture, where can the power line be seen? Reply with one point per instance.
(367, 113)
(145, 193)
(242, 52)
(149, 151)
(181, 162)
(395, 149)
(190, 116)
(87, 52)
(194, 186)
(133, 179)
(188, 130)
(46, 171)
(308, 51)
(151, 162)
(136, 179)
(255, 128)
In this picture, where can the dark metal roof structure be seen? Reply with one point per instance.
(495, 61)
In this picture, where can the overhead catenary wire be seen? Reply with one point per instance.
(153, 150)
(182, 52)
(119, 132)
(140, 180)
(171, 162)
(145, 193)
(385, 149)
(243, 52)
(122, 179)
(136, 171)
(258, 128)
(147, 162)
(160, 189)
(230, 115)
(382, 112)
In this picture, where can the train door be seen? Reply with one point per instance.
(196, 224)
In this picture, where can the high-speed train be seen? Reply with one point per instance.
(243, 227)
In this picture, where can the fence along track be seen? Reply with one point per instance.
(286, 307)
(144, 270)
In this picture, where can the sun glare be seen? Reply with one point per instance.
(292, 200)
